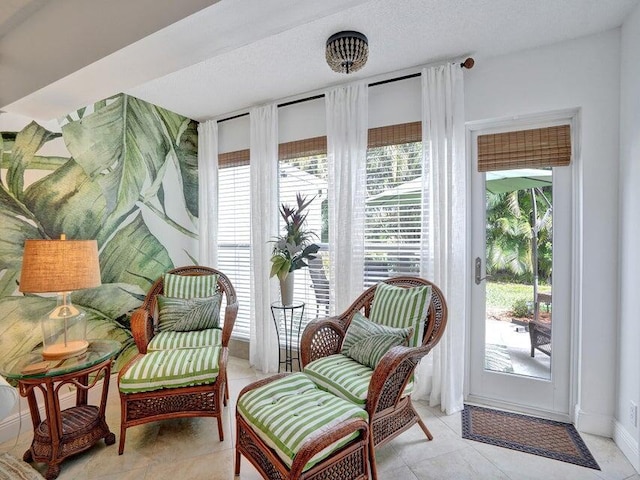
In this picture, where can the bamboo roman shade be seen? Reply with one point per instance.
(536, 148)
(377, 137)
(395, 134)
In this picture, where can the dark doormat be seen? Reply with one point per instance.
(546, 438)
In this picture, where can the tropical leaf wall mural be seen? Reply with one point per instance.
(117, 184)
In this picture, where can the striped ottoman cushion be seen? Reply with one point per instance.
(170, 340)
(285, 412)
(344, 377)
(171, 368)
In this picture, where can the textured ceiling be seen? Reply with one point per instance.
(14, 12)
(239, 53)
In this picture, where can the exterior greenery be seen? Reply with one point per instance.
(509, 248)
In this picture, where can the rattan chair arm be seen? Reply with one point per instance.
(142, 328)
(222, 365)
(391, 376)
(321, 337)
(126, 366)
(230, 314)
(322, 438)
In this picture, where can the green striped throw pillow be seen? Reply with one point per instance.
(190, 286)
(367, 342)
(402, 308)
(188, 314)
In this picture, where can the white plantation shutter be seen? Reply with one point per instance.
(392, 213)
(393, 207)
(234, 242)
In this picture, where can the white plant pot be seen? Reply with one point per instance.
(286, 290)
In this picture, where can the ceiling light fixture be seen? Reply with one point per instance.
(347, 51)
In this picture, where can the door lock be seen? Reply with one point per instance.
(478, 270)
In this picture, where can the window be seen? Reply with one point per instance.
(394, 202)
(303, 169)
(234, 235)
(392, 222)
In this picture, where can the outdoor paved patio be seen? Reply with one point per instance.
(509, 350)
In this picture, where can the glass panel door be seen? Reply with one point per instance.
(519, 335)
(519, 259)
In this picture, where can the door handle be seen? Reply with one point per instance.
(478, 271)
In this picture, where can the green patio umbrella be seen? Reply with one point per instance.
(498, 181)
(502, 181)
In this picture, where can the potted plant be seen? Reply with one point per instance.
(293, 248)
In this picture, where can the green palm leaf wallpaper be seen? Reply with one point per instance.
(129, 179)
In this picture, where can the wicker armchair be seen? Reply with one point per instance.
(190, 401)
(390, 412)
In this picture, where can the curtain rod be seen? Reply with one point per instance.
(467, 63)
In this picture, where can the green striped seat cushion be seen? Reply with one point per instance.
(171, 369)
(367, 342)
(189, 286)
(170, 340)
(285, 412)
(344, 377)
(186, 314)
(402, 308)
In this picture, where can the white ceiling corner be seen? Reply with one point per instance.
(239, 53)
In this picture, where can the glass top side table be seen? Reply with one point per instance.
(64, 432)
(288, 319)
(98, 351)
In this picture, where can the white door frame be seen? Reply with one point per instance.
(571, 116)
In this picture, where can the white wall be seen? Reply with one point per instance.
(627, 435)
(389, 104)
(581, 73)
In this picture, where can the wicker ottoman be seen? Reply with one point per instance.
(290, 429)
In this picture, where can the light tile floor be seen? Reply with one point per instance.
(188, 449)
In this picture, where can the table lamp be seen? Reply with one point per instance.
(61, 266)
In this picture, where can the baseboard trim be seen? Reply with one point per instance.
(20, 420)
(594, 423)
(627, 444)
(516, 408)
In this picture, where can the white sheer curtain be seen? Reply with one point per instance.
(440, 376)
(347, 111)
(208, 193)
(263, 347)
(8, 398)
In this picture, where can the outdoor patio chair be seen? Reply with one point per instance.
(384, 391)
(540, 331)
(320, 284)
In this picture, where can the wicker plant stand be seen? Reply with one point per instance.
(348, 463)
